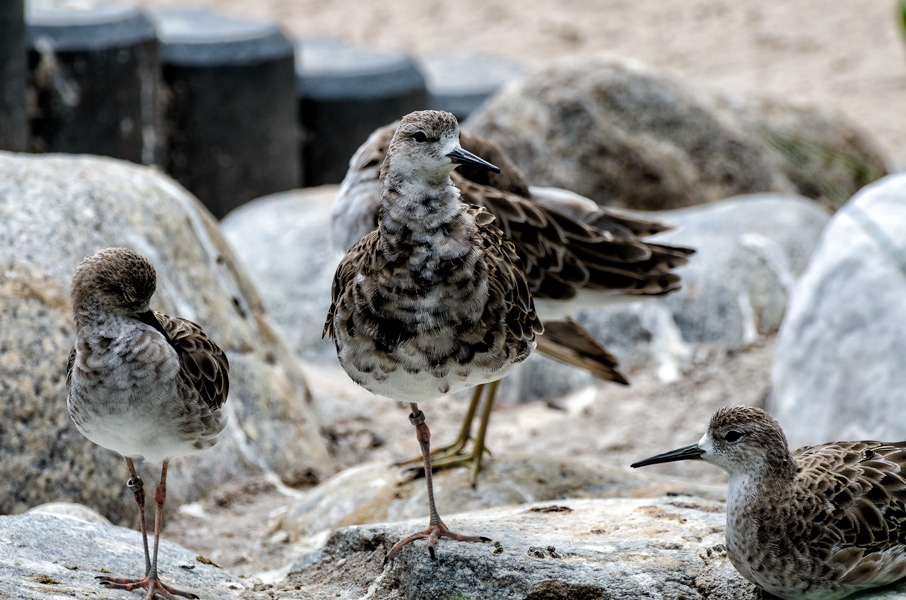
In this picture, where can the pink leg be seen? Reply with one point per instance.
(436, 528)
(150, 582)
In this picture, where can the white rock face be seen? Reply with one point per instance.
(840, 366)
(750, 250)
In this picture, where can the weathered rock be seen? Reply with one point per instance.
(380, 493)
(615, 548)
(71, 510)
(627, 135)
(840, 368)
(283, 240)
(666, 547)
(55, 210)
(48, 557)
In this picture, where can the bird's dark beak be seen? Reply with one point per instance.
(464, 157)
(692, 452)
(148, 318)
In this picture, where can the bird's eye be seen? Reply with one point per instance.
(420, 136)
(733, 435)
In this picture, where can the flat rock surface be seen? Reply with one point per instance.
(617, 548)
(50, 557)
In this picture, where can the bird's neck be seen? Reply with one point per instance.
(89, 313)
(745, 488)
(417, 213)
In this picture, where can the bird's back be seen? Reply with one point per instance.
(568, 245)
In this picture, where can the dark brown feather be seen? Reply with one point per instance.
(205, 366)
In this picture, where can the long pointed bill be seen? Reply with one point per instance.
(148, 318)
(464, 157)
(692, 452)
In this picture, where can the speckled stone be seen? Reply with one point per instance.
(576, 549)
(379, 493)
(46, 557)
(54, 210)
(295, 290)
(627, 135)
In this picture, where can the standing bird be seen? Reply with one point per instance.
(575, 255)
(146, 385)
(821, 522)
(435, 300)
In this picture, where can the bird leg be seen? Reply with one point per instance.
(436, 528)
(473, 459)
(151, 581)
(454, 449)
(453, 455)
(137, 487)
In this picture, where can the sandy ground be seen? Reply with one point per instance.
(606, 423)
(846, 56)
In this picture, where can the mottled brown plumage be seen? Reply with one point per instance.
(575, 255)
(141, 383)
(434, 300)
(822, 521)
(566, 242)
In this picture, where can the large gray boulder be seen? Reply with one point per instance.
(628, 135)
(283, 240)
(55, 211)
(840, 366)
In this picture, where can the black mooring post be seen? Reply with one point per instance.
(230, 119)
(345, 93)
(13, 119)
(93, 75)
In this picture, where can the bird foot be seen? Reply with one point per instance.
(448, 457)
(454, 450)
(153, 584)
(432, 534)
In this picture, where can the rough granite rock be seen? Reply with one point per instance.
(664, 547)
(295, 289)
(380, 492)
(55, 210)
(668, 547)
(628, 135)
(840, 367)
(51, 557)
